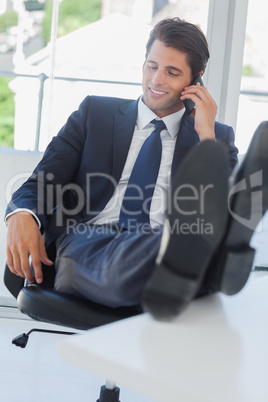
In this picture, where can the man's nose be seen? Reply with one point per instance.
(158, 78)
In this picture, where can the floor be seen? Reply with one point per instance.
(38, 373)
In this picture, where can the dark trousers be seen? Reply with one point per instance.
(104, 264)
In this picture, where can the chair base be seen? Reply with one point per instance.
(22, 339)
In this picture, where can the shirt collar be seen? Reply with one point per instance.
(146, 115)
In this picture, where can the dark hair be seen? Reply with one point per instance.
(183, 36)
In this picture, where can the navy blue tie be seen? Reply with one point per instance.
(140, 188)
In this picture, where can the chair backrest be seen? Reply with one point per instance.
(13, 282)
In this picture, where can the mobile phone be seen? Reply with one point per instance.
(188, 103)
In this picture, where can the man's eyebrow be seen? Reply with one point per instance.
(175, 68)
(171, 67)
(151, 61)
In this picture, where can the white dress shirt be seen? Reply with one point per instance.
(143, 129)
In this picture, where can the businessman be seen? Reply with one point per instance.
(130, 200)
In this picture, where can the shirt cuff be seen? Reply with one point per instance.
(26, 210)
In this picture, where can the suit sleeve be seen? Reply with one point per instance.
(232, 149)
(56, 170)
(226, 135)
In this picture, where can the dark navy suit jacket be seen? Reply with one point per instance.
(83, 163)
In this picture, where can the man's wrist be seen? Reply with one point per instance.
(207, 136)
(24, 210)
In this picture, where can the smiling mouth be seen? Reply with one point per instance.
(155, 92)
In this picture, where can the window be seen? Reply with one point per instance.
(253, 102)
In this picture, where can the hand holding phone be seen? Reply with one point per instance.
(188, 103)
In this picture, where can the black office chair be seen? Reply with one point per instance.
(43, 303)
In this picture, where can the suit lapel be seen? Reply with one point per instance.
(186, 139)
(124, 127)
(123, 131)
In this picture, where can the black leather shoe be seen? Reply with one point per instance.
(195, 225)
(248, 202)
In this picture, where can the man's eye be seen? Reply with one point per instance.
(152, 67)
(173, 74)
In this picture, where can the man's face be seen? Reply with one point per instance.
(165, 74)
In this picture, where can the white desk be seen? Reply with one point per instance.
(215, 351)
